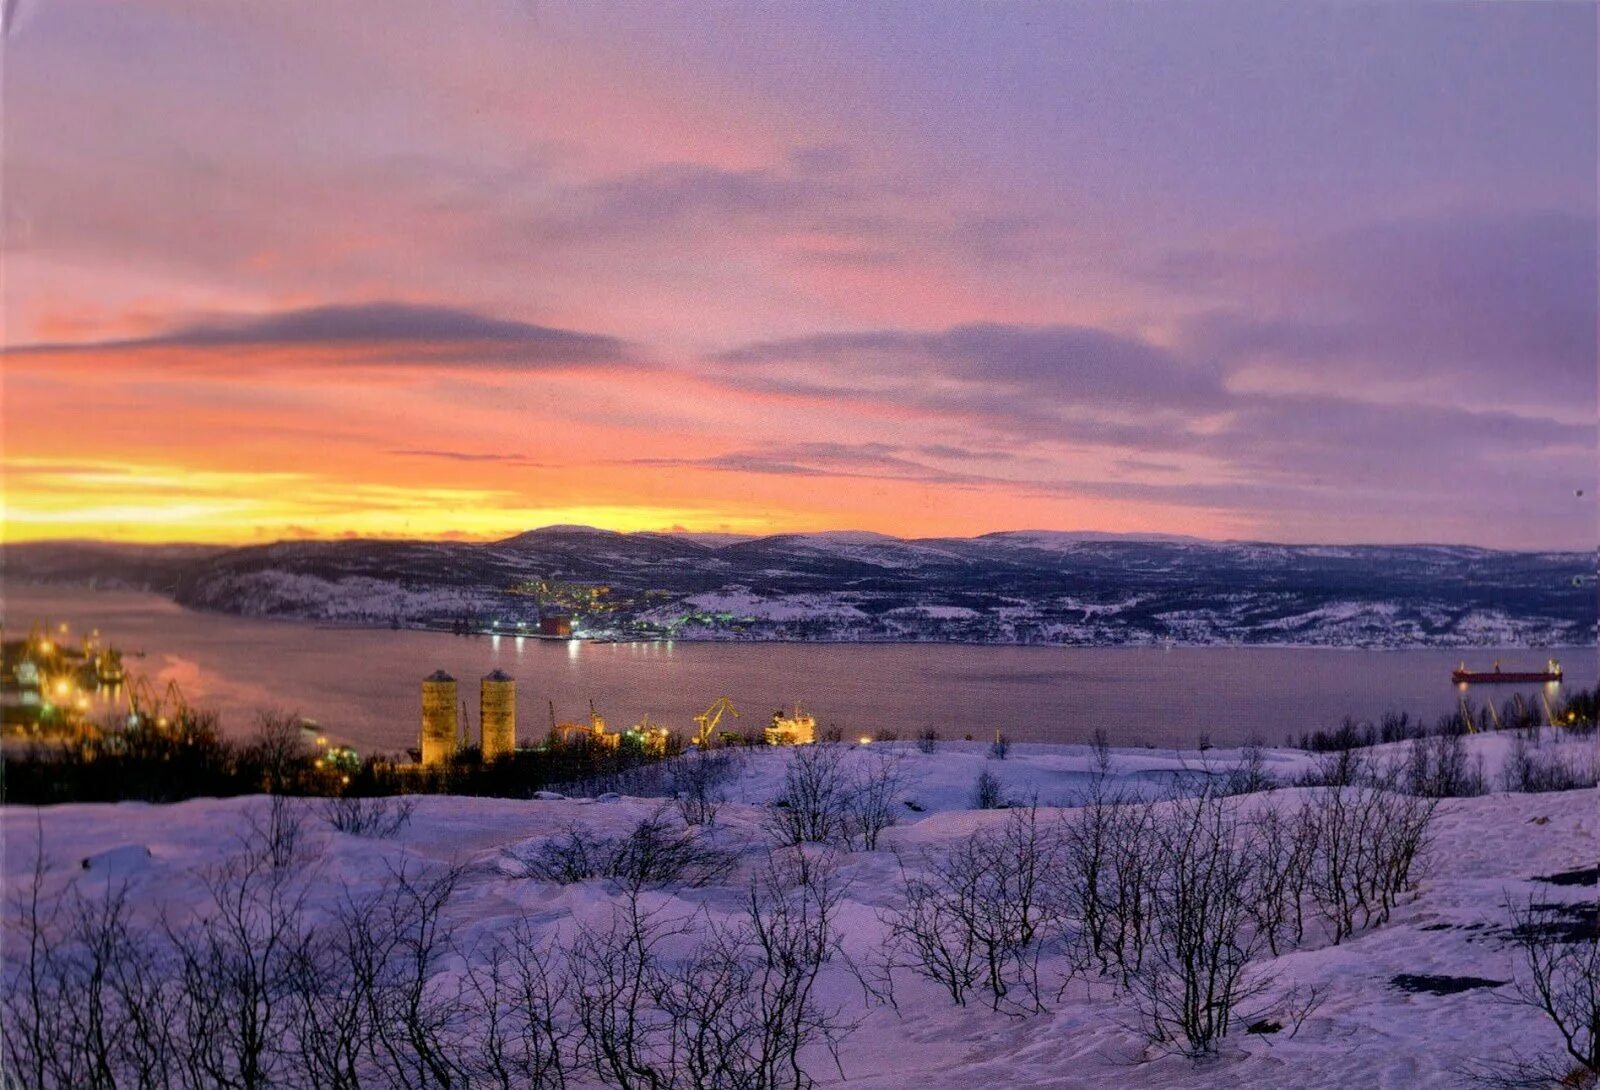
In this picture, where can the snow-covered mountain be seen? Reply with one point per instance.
(1013, 587)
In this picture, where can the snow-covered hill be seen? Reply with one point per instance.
(1017, 587)
(1372, 1024)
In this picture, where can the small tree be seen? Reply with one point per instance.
(815, 803)
(1198, 968)
(986, 791)
(1558, 974)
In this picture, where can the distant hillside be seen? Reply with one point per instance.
(1015, 587)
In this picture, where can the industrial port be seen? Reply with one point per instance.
(446, 730)
(54, 681)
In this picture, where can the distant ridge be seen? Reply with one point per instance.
(1087, 588)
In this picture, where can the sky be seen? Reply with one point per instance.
(1294, 272)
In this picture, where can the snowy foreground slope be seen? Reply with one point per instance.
(1366, 1032)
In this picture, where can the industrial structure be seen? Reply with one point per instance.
(497, 714)
(555, 624)
(438, 718)
(798, 729)
(707, 720)
(592, 733)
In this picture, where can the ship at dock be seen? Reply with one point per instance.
(1463, 676)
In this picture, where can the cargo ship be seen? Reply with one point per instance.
(1462, 676)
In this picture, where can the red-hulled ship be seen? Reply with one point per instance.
(1462, 676)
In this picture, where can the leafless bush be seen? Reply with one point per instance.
(521, 1002)
(1199, 966)
(695, 781)
(737, 1011)
(747, 997)
(626, 1039)
(1340, 768)
(367, 1005)
(277, 748)
(975, 916)
(83, 999)
(1558, 974)
(415, 1018)
(1532, 767)
(1000, 748)
(1438, 766)
(375, 817)
(652, 854)
(870, 803)
(814, 805)
(1100, 753)
(928, 741)
(1367, 843)
(1249, 774)
(275, 834)
(986, 791)
(1287, 844)
(825, 801)
(236, 963)
(1104, 878)
(249, 991)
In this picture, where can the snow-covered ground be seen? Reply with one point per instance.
(1366, 1032)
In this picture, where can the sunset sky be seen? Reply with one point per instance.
(388, 267)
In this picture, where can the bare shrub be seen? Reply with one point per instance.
(1199, 966)
(374, 817)
(84, 1004)
(1438, 766)
(748, 996)
(870, 803)
(1104, 878)
(1249, 774)
(1533, 767)
(986, 794)
(975, 916)
(1287, 844)
(277, 749)
(1100, 753)
(1558, 974)
(626, 1039)
(737, 1011)
(928, 741)
(1339, 768)
(696, 780)
(237, 964)
(521, 1002)
(827, 801)
(275, 834)
(651, 854)
(1367, 843)
(814, 804)
(245, 993)
(1000, 748)
(415, 1019)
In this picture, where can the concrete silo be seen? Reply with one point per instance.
(497, 712)
(438, 718)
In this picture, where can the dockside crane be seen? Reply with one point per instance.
(146, 707)
(708, 719)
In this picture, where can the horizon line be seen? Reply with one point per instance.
(466, 539)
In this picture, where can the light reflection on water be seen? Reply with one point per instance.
(362, 684)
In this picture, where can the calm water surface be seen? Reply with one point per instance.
(362, 684)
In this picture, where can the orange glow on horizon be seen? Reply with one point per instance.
(154, 504)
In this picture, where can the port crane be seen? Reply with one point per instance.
(708, 719)
(145, 706)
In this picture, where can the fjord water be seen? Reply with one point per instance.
(362, 685)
